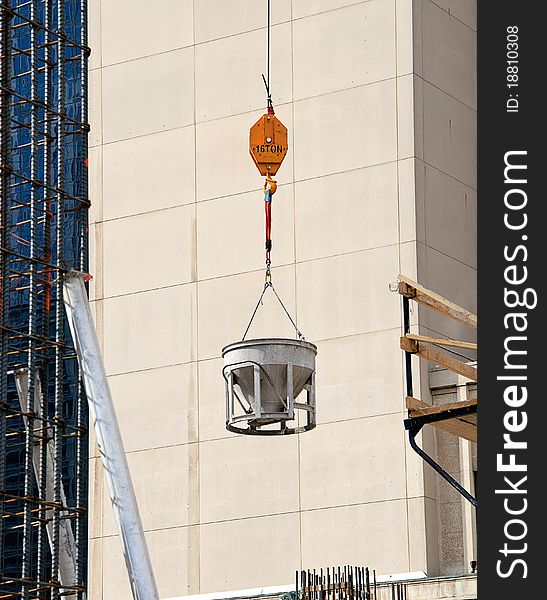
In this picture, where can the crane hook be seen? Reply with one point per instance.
(270, 185)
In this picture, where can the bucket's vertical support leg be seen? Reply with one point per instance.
(290, 392)
(258, 404)
(311, 401)
(230, 395)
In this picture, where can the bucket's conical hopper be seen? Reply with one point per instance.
(278, 363)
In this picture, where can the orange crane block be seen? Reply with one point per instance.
(268, 143)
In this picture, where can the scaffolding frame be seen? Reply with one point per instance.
(458, 418)
(43, 234)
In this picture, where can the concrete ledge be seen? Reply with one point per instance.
(429, 588)
(441, 588)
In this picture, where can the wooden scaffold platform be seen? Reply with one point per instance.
(457, 418)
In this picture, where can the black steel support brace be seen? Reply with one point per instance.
(414, 427)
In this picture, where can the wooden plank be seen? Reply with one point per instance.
(420, 294)
(409, 345)
(463, 426)
(420, 408)
(439, 358)
(453, 364)
(459, 428)
(414, 404)
(442, 341)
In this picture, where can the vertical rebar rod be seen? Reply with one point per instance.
(47, 157)
(5, 153)
(43, 540)
(81, 454)
(84, 55)
(59, 310)
(26, 571)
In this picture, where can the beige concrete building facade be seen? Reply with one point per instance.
(379, 97)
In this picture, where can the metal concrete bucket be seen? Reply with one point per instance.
(264, 377)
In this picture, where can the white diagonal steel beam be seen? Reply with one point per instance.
(109, 440)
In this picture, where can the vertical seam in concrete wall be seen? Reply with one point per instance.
(298, 447)
(395, 35)
(397, 136)
(420, 312)
(418, 271)
(194, 532)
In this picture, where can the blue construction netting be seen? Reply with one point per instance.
(43, 227)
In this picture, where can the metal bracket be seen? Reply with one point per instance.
(414, 426)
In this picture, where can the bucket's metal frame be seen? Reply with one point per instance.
(244, 423)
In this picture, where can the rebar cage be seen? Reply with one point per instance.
(43, 233)
(264, 379)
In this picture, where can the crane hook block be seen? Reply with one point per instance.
(268, 143)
